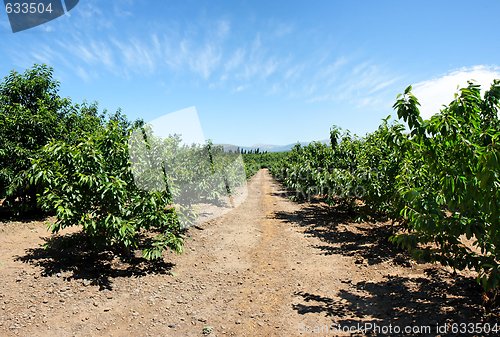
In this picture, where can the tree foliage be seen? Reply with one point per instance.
(31, 111)
(257, 161)
(90, 183)
(440, 178)
(349, 169)
(449, 182)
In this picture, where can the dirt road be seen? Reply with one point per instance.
(270, 267)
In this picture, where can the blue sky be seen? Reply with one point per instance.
(272, 72)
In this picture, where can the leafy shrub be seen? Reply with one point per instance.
(350, 169)
(449, 182)
(256, 161)
(440, 178)
(30, 115)
(90, 183)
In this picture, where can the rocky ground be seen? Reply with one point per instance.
(270, 267)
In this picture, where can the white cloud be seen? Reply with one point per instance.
(435, 93)
(293, 72)
(222, 29)
(48, 28)
(85, 53)
(240, 88)
(235, 60)
(205, 60)
(120, 11)
(208, 53)
(83, 74)
(44, 55)
(137, 55)
(382, 84)
(282, 29)
(364, 84)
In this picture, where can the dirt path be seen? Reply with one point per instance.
(270, 267)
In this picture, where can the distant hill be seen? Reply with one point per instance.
(267, 147)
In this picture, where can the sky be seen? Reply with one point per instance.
(263, 72)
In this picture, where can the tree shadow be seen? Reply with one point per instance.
(72, 253)
(437, 298)
(336, 226)
(300, 197)
(9, 215)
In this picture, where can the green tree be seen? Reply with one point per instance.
(90, 184)
(32, 113)
(450, 182)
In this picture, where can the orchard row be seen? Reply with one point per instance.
(438, 178)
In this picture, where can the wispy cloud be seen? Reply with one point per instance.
(122, 8)
(210, 52)
(206, 60)
(83, 74)
(282, 29)
(434, 93)
(136, 55)
(235, 59)
(361, 83)
(223, 27)
(89, 16)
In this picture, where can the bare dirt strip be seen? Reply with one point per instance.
(270, 267)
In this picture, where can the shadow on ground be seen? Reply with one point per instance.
(434, 297)
(8, 215)
(71, 253)
(420, 303)
(336, 228)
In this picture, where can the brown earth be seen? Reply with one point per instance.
(270, 267)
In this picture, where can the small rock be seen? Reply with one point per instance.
(359, 260)
(237, 321)
(207, 330)
(58, 275)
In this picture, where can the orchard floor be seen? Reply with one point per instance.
(270, 267)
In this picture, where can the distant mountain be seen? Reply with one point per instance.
(267, 147)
